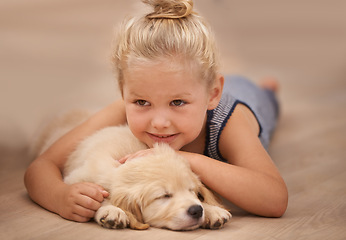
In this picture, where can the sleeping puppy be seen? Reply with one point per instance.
(158, 189)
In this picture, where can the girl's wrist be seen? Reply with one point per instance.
(192, 158)
(58, 195)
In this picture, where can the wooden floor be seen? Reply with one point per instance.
(53, 56)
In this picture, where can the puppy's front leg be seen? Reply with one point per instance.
(110, 216)
(215, 217)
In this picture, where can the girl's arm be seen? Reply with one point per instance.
(250, 179)
(43, 178)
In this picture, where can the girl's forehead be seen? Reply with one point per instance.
(161, 77)
(170, 64)
(174, 73)
(164, 79)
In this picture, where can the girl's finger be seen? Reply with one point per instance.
(87, 202)
(84, 212)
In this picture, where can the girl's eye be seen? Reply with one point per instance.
(142, 103)
(178, 103)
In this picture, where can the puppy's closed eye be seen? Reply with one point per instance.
(165, 196)
(200, 197)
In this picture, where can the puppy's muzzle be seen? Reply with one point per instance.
(195, 211)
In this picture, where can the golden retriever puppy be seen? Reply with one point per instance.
(158, 189)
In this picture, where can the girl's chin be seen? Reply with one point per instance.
(173, 145)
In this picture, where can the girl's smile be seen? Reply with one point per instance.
(163, 138)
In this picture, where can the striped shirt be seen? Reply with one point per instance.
(237, 90)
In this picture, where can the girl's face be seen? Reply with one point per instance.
(165, 103)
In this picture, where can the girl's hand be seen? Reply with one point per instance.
(79, 202)
(132, 156)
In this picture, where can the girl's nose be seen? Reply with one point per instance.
(160, 121)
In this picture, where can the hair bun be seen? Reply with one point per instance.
(170, 8)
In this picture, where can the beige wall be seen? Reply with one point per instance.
(54, 54)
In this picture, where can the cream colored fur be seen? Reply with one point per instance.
(157, 190)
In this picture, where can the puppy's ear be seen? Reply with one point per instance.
(134, 213)
(206, 196)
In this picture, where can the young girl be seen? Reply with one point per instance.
(167, 67)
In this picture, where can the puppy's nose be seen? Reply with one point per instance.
(195, 211)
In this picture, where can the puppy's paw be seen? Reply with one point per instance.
(215, 217)
(111, 217)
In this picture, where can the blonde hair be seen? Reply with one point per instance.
(171, 30)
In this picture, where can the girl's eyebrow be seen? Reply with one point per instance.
(180, 95)
(134, 94)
